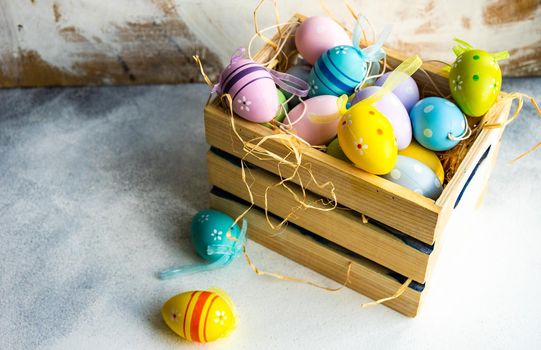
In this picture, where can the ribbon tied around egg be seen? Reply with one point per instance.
(287, 82)
(219, 254)
(374, 52)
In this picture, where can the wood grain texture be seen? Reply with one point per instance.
(394, 205)
(366, 277)
(93, 43)
(343, 227)
(66, 42)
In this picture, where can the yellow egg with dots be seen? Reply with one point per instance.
(367, 138)
(425, 156)
(200, 316)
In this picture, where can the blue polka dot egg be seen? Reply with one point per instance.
(337, 71)
(209, 228)
(437, 123)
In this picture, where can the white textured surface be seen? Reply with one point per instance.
(421, 26)
(98, 187)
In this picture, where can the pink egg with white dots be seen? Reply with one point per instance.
(318, 34)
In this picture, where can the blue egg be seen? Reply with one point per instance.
(338, 71)
(433, 120)
(209, 228)
(416, 176)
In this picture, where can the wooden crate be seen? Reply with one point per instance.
(403, 225)
(366, 277)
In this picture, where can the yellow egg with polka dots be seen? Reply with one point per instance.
(367, 138)
(200, 316)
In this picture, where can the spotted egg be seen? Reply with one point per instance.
(303, 119)
(338, 71)
(316, 35)
(475, 79)
(200, 316)
(252, 90)
(416, 176)
(367, 138)
(209, 228)
(391, 107)
(437, 123)
(425, 156)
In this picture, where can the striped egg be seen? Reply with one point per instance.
(200, 316)
(252, 89)
(338, 71)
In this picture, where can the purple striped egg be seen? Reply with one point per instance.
(252, 89)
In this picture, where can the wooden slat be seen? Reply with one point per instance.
(343, 227)
(366, 277)
(391, 204)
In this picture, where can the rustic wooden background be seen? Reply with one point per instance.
(78, 42)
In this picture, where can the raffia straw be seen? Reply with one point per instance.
(329, 13)
(498, 108)
(531, 150)
(256, 26)
(202, 70)
(354, 14)
(451, 159)
(398, 293)
(298, 280)
(279, 48)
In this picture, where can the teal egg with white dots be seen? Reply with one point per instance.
(337, 71)
(209, 228)
(437, 123)
(416, 176)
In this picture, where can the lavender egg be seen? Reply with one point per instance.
(252, 89)
(407, 92)
(391, 107)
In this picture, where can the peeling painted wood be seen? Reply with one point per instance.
(76, 42)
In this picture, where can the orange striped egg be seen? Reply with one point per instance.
(200, 316)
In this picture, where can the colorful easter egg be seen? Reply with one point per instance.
(374, 69)
(284, 108)
(436, 121)
(475, 80)
(391, 107)
(333, 149)
(416, 176)
(300, 70)
(338, 71)
(407, 91)
(425, 156)
(252, 90)
(209, 228)
(316, 35)
(200, 316)
(367, 138)
(302, 119)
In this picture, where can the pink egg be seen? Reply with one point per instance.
(318, 34)
(391, 107)
(313, 132)
(252, 89)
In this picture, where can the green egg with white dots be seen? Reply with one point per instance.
(475, 79)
